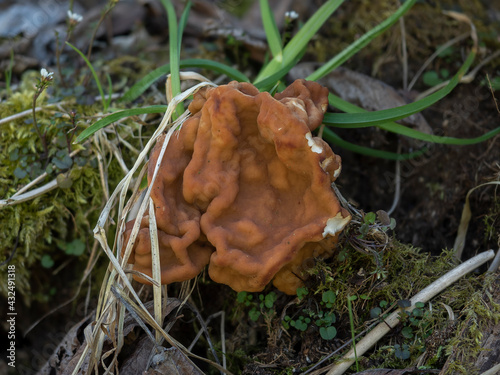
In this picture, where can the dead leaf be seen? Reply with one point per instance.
(172, 362)
(459, 244)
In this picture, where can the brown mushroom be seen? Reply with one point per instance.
(246, 188)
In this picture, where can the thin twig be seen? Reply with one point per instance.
(30, 195)
(397, 182)
(27, 113)
(495, 265)
(492, 93)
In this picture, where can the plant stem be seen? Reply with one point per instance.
(35, 124)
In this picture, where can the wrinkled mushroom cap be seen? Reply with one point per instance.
(245, 187)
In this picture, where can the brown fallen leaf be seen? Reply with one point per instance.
(172, 362)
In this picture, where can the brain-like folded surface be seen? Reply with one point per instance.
(245, 188)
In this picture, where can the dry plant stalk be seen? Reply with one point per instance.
(117, 294)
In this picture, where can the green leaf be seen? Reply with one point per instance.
(75, 247)
(361, 42)
(270, 299)
(302, 292)
(299, 324)
(118, 116)
(333, 138)
(393, 223)
(375, 312)
(20, 173)
(300, 40)
(144, 83)
(370, 218)
(342, 255)
(63, 162)
(407, 332)
(63, 181)
(254, 314)
(183, 22)
(417, 313)
(329, 296)
(241, 297)
(174, 47)
(47, 261)
(328, 333)
(431, 78)
(271, 80)
(14, 154)
(403, 303)
(272, 33)
(401, 353)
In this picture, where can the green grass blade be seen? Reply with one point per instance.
(118, 116)
(272, 33)
(174, 45)
(110, 92)
(94, 74)
(393, 114)
(334, 139)
(183, 22)
(353, 330)
(270, 81)
(144, 83)
(300, 40)
(356, 46)
(360, 118)
(403, 130)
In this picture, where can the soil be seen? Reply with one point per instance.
(433, 186)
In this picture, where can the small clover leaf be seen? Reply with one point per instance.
(47, 261)
(328, 333)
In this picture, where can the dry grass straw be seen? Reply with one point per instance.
(117, 296)
(459, 244)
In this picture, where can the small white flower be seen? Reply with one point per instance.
(74, 17)
(291, 15)
(45, 74)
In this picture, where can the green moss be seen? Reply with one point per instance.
(43, 226)
(479, 312)
(383, 274)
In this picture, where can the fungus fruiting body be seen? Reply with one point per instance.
(245, 188)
